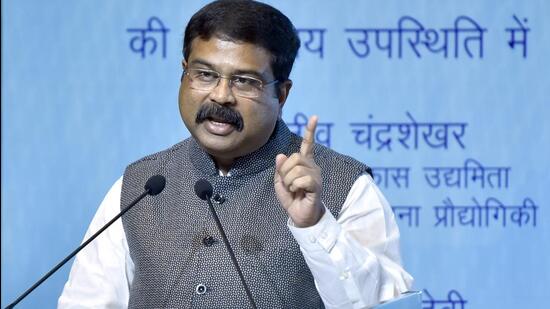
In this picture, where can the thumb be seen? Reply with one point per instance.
(283, 195)
(279, 161)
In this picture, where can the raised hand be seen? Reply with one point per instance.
(298, 182)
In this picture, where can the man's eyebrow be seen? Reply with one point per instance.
(236, 72)
(201, 62)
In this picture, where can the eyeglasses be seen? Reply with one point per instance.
(241, 85)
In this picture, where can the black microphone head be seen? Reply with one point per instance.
(155, 184)
(203, 189)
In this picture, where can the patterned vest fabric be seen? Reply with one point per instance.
(180, 259)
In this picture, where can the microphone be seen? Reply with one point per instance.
(203, 189)
(153, 186)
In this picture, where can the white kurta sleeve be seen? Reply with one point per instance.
(355, 259)
(103, 271)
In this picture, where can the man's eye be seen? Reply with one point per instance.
(205, 75)
(246, 81)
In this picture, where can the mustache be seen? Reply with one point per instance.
(220, 113)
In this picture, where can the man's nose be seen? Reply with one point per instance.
(222, 93)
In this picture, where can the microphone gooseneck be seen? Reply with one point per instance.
(204, 190)
(153, 186)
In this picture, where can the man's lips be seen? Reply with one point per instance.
(218, 127)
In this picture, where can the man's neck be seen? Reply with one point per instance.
(224, 165)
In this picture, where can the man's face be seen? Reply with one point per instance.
(216, 133)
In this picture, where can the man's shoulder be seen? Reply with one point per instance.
(327, 156)
(330, 159)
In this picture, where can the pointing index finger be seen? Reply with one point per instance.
(309, 137)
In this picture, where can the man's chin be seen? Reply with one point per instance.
(217, 145)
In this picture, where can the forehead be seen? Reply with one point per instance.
(228, 56)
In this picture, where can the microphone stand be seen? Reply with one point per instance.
(231, 254)
(70, 256)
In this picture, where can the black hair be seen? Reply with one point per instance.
(251, 22)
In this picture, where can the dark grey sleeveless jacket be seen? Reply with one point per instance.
(180, 259)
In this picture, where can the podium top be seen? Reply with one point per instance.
(408, 300)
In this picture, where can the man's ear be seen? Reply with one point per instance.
(283, 91)
(183, 65)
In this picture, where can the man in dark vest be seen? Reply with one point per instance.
(308, 226)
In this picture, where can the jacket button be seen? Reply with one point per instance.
(208, 241)
(218, 199)
(200, 289)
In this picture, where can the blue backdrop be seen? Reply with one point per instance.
(446, 100)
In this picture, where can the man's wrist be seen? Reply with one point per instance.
(320, 211)
(320, 236)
